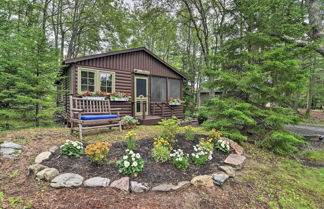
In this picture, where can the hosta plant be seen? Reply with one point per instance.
(130, 163)
(72, 148)
(180, 159)
(223, 146)
(97, 153)
(161, 153)
(201, 155)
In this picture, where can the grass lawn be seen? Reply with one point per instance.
(266, 181)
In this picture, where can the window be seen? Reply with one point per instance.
(158, 88)
(95, 80)
(174, 88)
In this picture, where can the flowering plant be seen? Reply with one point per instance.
(201, 155)
(93, 94)
(72, 148)
(161, 153)
(223, 145)
(171, 100)
(129, 120)
(131, 140)
(130, 163)
(160, 141)
(179, 159)
(97, 152)
(214, 135)
(120, 95)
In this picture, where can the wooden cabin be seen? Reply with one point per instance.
(149, 80)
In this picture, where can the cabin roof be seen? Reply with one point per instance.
(75, 60)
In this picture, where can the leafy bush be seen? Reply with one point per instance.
(160, 141)
(202, 116)
(161, 153)
(189, 133)
(179, 159)
(97, 153)
(201, 155)
(206, 143)
(222, 146)
(131, 140)
(131, 163)
(281, 142)
(129, 120)
(214, 135)
(170, 128)
(72, 148)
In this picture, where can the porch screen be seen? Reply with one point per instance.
(174, 88)
(158, 89)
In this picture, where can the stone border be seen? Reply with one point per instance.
(232, 163)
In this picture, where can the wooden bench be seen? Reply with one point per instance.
(81, 108)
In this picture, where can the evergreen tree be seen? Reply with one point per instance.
(260, 75)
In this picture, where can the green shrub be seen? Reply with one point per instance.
(72, 148)
(189, 133)
(202, 116)
(170, 128)
(131, 140)
(281, 142)
(161, 154)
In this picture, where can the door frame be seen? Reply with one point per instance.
(139, 99)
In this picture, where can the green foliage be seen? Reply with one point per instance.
(222, 146)
(13, 202)
(281, 142)
(189, 133)
(202, 116)
(170, 128)
(131, 163)
(180, 159)
(161, 154)
(72, 148)
(316, 156)
(129, 120)
(201, 155)
(131, 140)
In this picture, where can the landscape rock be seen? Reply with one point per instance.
(228, 170)
(35, 168)
(235, 160)
(163, 188)
(42, 156)
(219, 178)
(47, 174)
(203, 180)
(122, 184)
(67, 180)
(96, 182)
(53, 149)
(138, 187)
(180, 185)
(11, 145)
(235, 146)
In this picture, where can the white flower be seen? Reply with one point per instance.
(125, 157)
(131, 152)
(138, 155)
(180, 159)
(134, 164)
(133, 159)
(127, 150)
(133, 155)
(210, 157)
(126, 164)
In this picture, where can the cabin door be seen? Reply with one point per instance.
(141, 95)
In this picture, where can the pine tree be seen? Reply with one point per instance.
(260, 75)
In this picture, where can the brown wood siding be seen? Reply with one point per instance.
(177, 111)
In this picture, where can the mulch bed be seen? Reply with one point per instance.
(153, 173)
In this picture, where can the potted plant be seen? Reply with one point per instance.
(128, 122)
(175, 102)
(100, 95)
(120, 97)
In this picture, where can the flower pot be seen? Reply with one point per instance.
(125, 99)
(95, 98)
(174, 103)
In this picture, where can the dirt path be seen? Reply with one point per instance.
(306, 130)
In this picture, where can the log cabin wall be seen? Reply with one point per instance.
(123, 65)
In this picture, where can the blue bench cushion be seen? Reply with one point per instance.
(95, 117)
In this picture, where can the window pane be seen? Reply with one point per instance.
(141, 87)
(158, 88)
(105, 81)
(84, 74)
(138, 107)
(109, 89)
(84, 81)
(91, 74)
(91, 88)
(174, 88)
(84, 88)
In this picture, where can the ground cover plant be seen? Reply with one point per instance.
(130, 163)
(72, 148)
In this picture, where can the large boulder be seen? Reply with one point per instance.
(47, 174)
(11, 145)
(67, 180)
(96, 182)
(138, 187)
(235, 160)
(35, 168)
(42, 156)
(204, 180)
(219, 178)
(122, 184)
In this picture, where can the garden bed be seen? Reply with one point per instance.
(153, 173)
